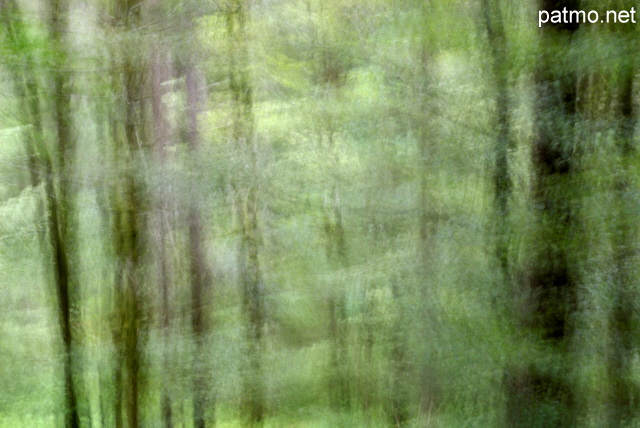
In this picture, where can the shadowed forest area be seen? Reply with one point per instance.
(297, 213)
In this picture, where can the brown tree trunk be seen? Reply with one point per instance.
(201, 276)
(127, 226)
(131, 231)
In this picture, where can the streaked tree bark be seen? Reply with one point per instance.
(623, 319)
(201, 275)
(502, 183)
(59, 202)
(247, 205)
(51, 167)
(127, 222)
(541, 394)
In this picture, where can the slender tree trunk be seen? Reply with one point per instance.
(128, 300)
(131, 230)
(201, 277)
(161, 72)
(492, 16)
(247, 205)
(54, 175)
(56, 225)
(624, 396)
(59, 205)
(42, 169)
(200, 282)
(542, 395)
(114, 208)
(127, 226)
(253, 303)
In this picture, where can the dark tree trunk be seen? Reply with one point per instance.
(541, 394)
(502, 184)
(200, 282)
(127, 228)
(623, 322)
(54, 176)
(59, 205)
(130, 228)
(201, 276)
(247, 205)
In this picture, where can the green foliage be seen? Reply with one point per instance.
(360, 143)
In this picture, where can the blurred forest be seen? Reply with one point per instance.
(297, 213)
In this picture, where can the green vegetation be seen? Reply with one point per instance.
(317, 214)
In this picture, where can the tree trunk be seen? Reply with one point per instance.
(59, 205)
(623, 320)
(161, 72)
(201, 277)
(542, 394)
(247, 190)
(502, 184)
(127, 227)
(56, 206)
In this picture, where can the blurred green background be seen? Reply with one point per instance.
(290, 213)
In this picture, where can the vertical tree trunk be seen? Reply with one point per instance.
(59, 204)
(42, 168)
(162, 130)
(201, 277)
(247, 206)
(127, 226)
(200, 282)
(541, 394)
(53, 175)
(492, 16)
(131, 230)
(623, 320)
